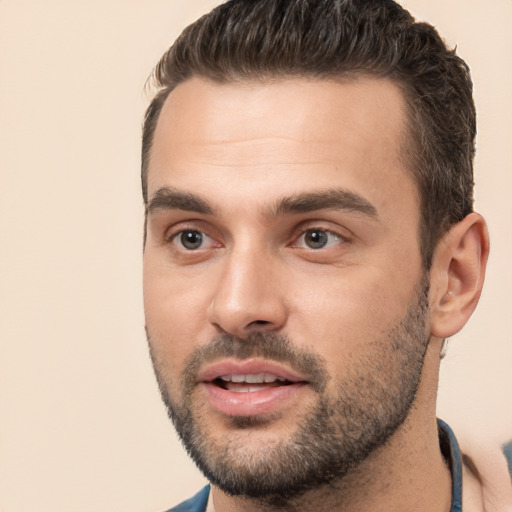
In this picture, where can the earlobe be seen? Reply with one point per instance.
(457, 275)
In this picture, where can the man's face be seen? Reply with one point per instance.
(285, 303)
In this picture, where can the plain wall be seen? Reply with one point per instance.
(82, 428)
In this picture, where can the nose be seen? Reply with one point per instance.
(248, 295)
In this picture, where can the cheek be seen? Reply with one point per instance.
(174, 312)
(341, 314)
(171, 295)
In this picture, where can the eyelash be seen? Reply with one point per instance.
(326, 236)
(178, 238)
(319, 231)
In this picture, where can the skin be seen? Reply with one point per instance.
(245, 147)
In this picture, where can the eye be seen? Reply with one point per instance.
(318, 239)
(192, 240)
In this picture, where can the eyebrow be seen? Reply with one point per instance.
(331, 199)
(167, 198)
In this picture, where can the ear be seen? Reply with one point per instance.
(457, 275)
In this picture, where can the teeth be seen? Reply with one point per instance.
(237, 388)
(252, 378)
(255, 379)
(273, 378)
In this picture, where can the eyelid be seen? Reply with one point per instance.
(188, 225)
(210, 237)
(338, 239)
(321, 225)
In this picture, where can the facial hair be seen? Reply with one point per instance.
(370, 402)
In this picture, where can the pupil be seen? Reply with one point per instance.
(191, 239)
(316, 239)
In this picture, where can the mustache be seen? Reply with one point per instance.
(270, 346)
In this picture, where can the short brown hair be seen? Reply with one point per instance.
(260, 39)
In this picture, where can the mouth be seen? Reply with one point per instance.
(250, 383)
(249, 388)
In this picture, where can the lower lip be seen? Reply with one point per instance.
(251, 403)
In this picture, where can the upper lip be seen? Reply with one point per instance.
(247, 367)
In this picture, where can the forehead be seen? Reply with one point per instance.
(285, 132)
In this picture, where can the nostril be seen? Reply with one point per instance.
(259, 322)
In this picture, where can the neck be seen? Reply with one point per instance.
(407, 473)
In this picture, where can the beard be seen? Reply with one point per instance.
(370, 401)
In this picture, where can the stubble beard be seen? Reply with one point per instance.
(334, 437)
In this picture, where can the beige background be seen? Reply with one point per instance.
(81, 425)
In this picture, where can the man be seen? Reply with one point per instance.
(310, 244)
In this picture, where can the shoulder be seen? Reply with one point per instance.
(507, 450)
(491, 464)
(195, 504)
